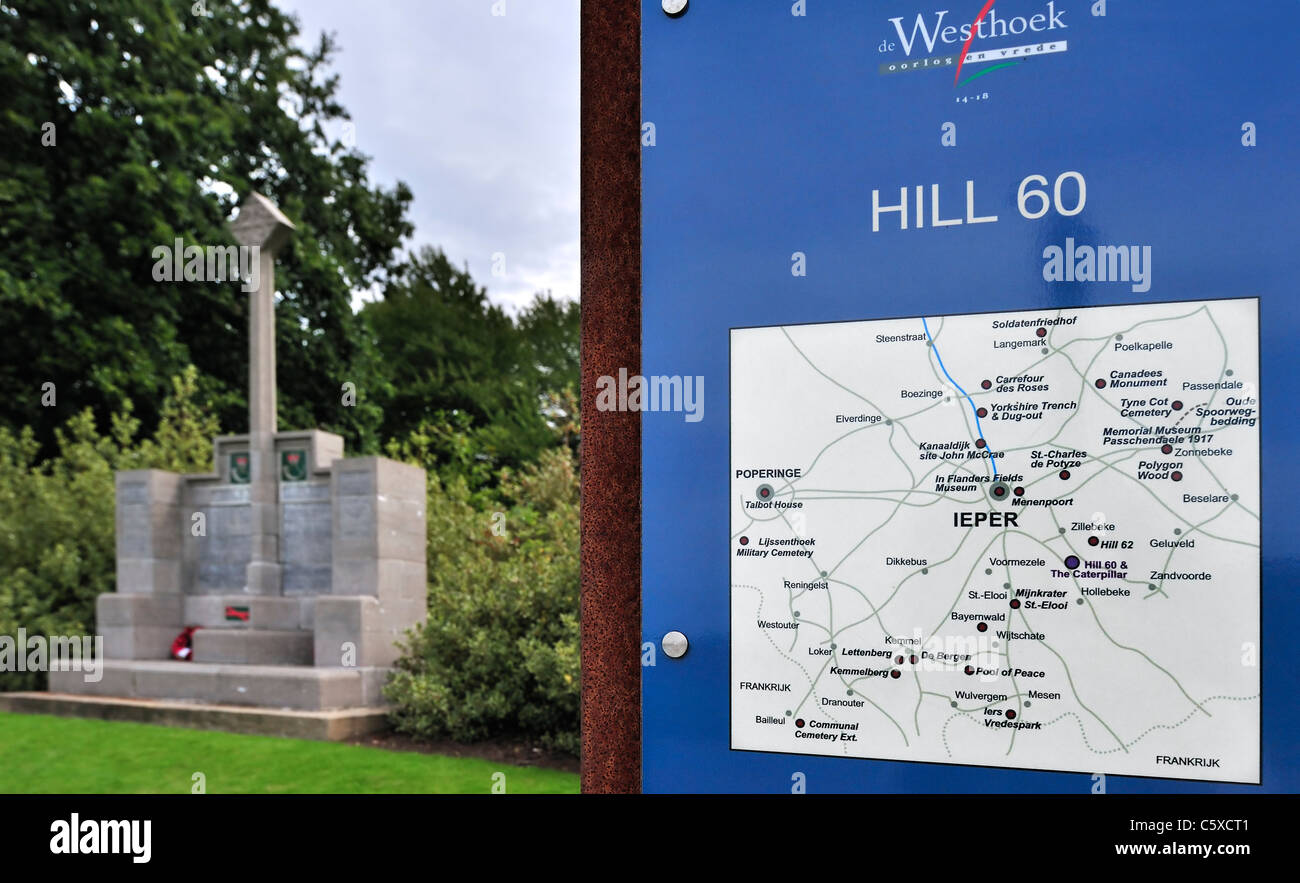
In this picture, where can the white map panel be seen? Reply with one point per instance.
(1006, 539)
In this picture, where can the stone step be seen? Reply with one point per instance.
(264, 686)
(257, 612)
(333, 726)
(253, 646)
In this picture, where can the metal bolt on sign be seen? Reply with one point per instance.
(675, 645)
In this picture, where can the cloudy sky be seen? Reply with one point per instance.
(478, 113)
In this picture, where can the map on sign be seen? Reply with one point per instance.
(1023, 539)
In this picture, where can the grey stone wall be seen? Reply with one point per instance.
(379, 565)
(306, 537)
(217, 562)
(148, 531)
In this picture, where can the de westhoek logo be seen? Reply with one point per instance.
(935, 41)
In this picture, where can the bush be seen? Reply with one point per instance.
(57, 516)
(499, 654)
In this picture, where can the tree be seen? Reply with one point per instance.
(131, 123)
(551, 330)
(459, 367)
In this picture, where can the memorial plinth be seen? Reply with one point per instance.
(299, 568)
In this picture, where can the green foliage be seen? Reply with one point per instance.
(551, 330)
(183, 442)
(443, 445)
(162, 120)
(57, 515)
(460, 367)
(499, 654)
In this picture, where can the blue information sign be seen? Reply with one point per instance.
(959, 320)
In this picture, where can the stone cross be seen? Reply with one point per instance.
(264, 228)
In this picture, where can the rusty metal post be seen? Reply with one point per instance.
(611, 440)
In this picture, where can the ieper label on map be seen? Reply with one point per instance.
(1025, 539)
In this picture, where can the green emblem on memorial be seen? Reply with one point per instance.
(239, 469)
(293, 465)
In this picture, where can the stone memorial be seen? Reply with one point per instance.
(297, 568)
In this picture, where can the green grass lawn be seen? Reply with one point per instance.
(40, 754)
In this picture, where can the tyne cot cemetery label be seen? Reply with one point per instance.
(1025, 539)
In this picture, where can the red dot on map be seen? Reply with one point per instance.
(970, 669)
(1065, 474)
(979, 443)
(1176, 476)
(1092, 541)
(987, 384)
(744, 541)
(1015, 603)
(1019, 491)
(1166, 449)
(1011, 714)
(899, 660)
(912, 659)
(1041, 332)
(1101, 383)
(798, 722)
(895, 674)
(1177, 405)
(983, 412)
(983, 626)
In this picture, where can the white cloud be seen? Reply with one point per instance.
(478, 114)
